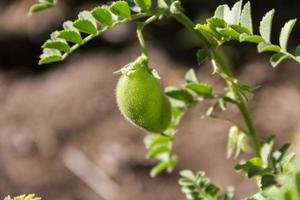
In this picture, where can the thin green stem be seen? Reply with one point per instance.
(252, 131)
(140, 36)
(220, 63)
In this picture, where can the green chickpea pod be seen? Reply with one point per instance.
(141, 99)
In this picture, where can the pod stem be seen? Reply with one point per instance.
(140, 35)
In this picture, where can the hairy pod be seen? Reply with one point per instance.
(141, 99)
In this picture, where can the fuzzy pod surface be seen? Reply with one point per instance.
(142, 101)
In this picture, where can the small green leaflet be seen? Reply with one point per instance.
(121, 9)
(251, 38)
(191, 77)
(180, 94)
(232, 140)
(86, 23)
(23, 197)
(235, 13)
(266, 26)
(71, 36)
(41, 6)
(265, 47)
(246, 18)
(103, 16)
(297, 52)
(144, 4)
(202, 55)
(49, 56)
(200, 89)
(169, 165)
(277, 58)
(285, 33)
(266, 151)
(58, 44)
(222, 12)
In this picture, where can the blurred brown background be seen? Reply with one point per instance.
(62, 136)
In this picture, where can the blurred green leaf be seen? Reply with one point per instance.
(71, 36)
(229, 32)
(23, 197)
(222, 11)
(200, 89)
(240, 29)
(86, 23)
(285, 33)
(235, 13)
(58, 44)
(277, 58)
(39, 8)
(157, 150)
(264, 47)
(121, 8)
(49, 56)
(103, 16)
(250, 38)
(246, 18)
(265, 27)
(144, 4)
(191, 77)
(181, 95)
(202, 55)
(266, 150)
(267, 181)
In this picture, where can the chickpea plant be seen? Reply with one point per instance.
(145, 104)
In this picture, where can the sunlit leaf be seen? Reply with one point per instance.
(265, 27)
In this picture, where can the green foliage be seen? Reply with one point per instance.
(42, 5)
(23, 197)
(89, 25)
(237, 141)
(236, 24)
(198, 187)
(269, 165)
(286, 187)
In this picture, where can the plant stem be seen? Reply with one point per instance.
(219, 61)
(139, 32)
(222, 69)
(252, 131)
(140, 36)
